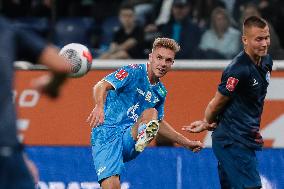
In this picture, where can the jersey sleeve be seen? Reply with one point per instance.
(29, 45)
(121, 77)
(232, 79)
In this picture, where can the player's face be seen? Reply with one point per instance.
(257, 41)
(161, 61)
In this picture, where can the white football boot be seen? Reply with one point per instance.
(146, 132)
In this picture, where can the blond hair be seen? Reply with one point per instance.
(166, 43)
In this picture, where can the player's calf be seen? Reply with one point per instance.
(146, 133)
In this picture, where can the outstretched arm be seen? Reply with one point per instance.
(169, 132)
(212, 110)
(50, 84)
(96, 117)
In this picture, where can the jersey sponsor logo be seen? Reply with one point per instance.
(121, 75)
(140, 92)
(131, 112)
(148, 95)
(232, 83)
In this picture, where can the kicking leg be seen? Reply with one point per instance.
(145, 129)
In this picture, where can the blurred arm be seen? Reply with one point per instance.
(50, 84)
(50, 58)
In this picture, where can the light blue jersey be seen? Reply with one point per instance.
(132, 95)
(112, 142)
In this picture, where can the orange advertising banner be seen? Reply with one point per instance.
(43, 121)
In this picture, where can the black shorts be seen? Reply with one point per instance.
(239, 163)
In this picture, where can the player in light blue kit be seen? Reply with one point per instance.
(129, 111)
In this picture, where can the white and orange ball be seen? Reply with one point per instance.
(79, 57)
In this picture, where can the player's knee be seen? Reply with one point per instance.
(149, 114)
(112, 182)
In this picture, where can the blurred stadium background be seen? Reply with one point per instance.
(56, 134)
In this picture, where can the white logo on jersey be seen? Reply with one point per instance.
(100, 170)
(140, 92)
(148, 96)
(254, 82)
(131, 112)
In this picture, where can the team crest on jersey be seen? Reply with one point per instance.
(121, 75)
(268, 77)
(148, 96)
(232, 83)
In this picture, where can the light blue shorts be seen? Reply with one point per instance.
(111, 148)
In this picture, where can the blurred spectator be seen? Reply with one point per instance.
(221, 40)
(202, 9)
(162, 16)
(144, 10)
(164, 13)
(128, 40)
(181, 29)
(275, 49)
(229, 6)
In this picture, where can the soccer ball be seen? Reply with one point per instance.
(79, 57)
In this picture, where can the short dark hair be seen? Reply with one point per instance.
(255, 21)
